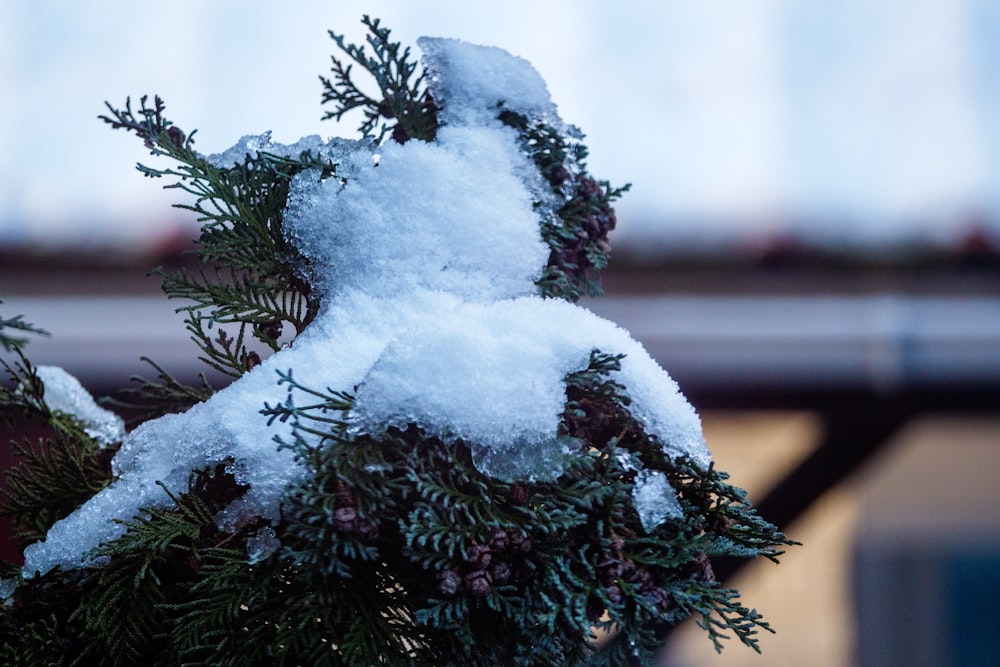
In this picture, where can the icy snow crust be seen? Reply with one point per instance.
(654, 500)
(426, 259)
(251, 145)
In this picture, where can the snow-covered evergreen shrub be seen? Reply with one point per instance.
(444, 460)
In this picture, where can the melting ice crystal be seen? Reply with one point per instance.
(654, 499)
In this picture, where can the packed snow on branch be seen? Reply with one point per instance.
(64, 393)
(426, 257)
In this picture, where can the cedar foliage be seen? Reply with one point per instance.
(395, 550)
(10, 342)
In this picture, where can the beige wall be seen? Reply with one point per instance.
(935, 483)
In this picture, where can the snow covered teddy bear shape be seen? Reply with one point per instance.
(426, 255)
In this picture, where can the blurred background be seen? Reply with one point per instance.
(810, 247)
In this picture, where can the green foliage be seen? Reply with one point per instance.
(17, 323)
(492, 572)
(250, 275)
(397, 551)
(120, 613)
(53, 477)
(24, 397)
(55, 474)
(36, 630)
(152, 399)
(576, 230)
(402, 95)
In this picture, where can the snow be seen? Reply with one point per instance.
(425, 259)
(448, 216)
(471, 81)
(493, 375)
(251, 145)
(7, 587)
(64, 393)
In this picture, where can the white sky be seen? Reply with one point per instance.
(864, 118)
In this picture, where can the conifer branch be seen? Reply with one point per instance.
(576, 230)
(24, 398)
(152, 399)
(227, 355)
(560, 553)
(17, 323)
(254, 273)
(401, 99)
(24, 401)
(52, 478)
(53, 475)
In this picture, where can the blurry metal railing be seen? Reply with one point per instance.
(882, 343)
(713, 345)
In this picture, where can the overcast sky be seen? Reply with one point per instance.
(870, 118)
